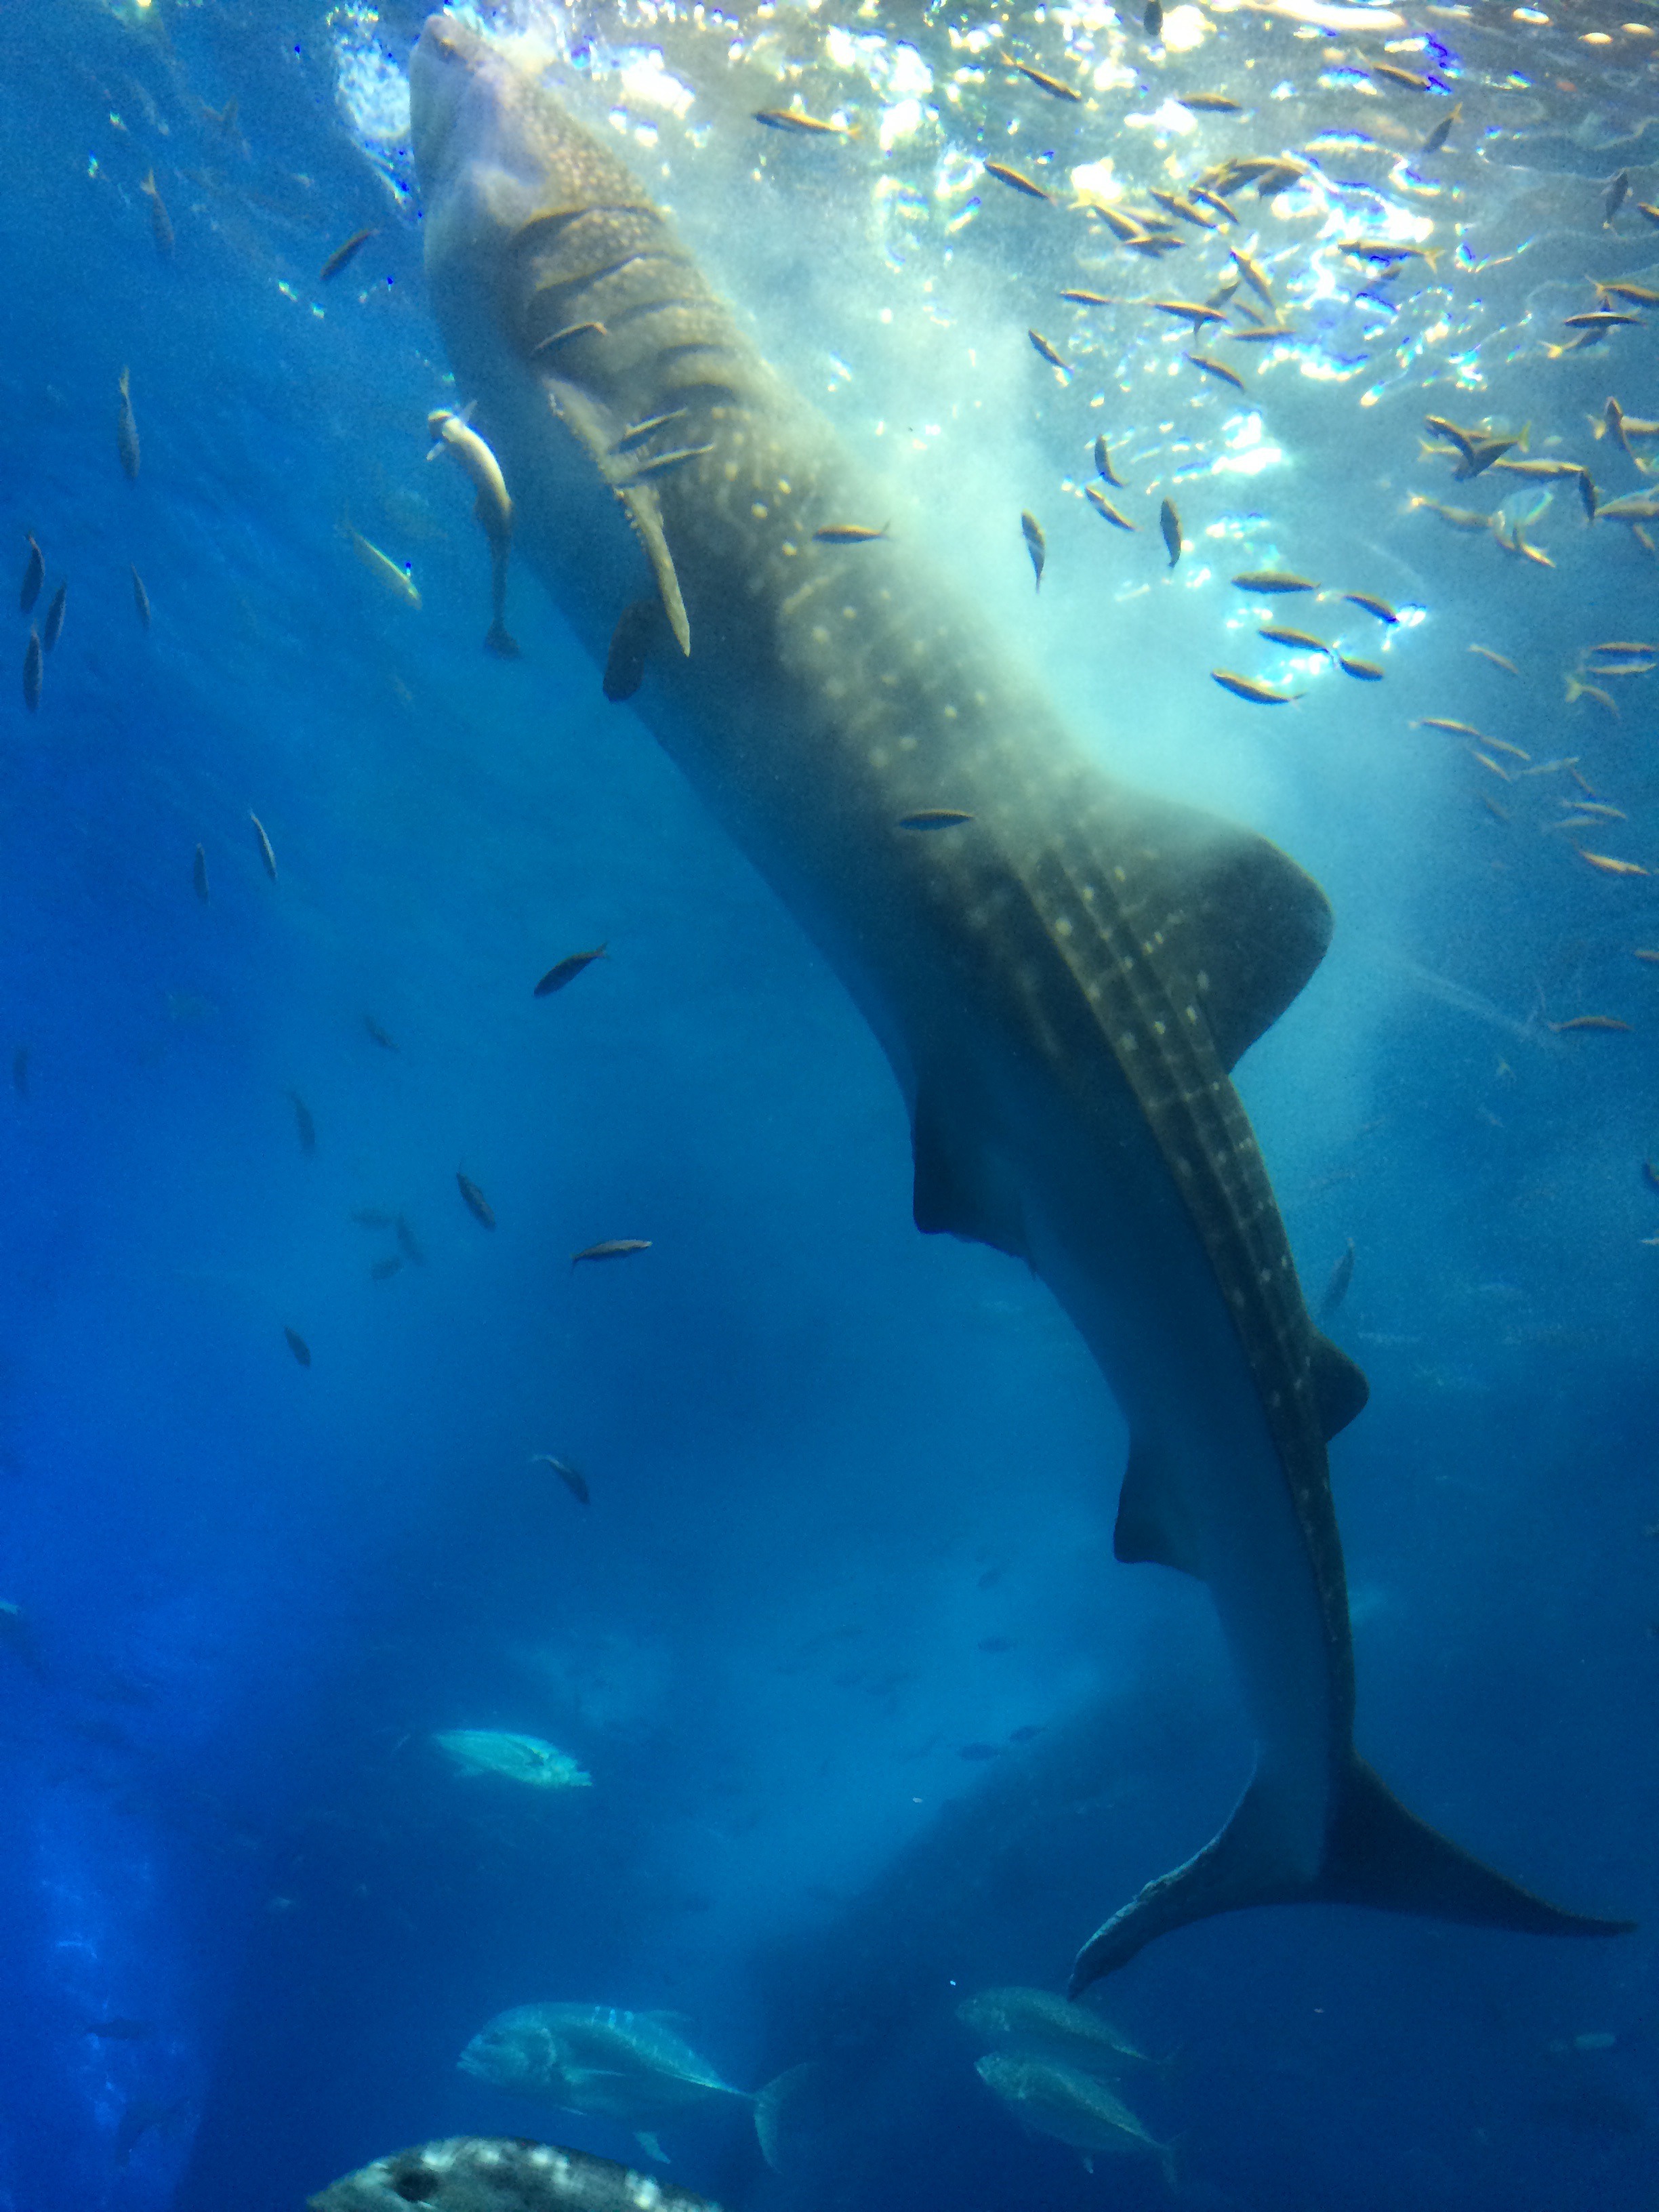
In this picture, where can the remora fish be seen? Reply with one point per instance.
(632, 2067)
(1062, 995)
(473, 2173)
(492, 510)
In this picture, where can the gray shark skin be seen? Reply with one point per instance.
(480, 2173)
(1062, 978)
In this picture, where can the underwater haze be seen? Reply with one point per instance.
(501, 1514)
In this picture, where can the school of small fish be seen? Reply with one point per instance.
(1298, 249)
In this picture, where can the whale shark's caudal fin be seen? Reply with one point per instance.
(1376, 1854)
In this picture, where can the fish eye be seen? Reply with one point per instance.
(414, 2183)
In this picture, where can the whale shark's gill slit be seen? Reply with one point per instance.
(594, 272)
(549, 225)
(608, 296)
(637, 316)
(683, 367)
(554, 300)
(705, 395)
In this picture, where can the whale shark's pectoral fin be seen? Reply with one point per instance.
(1376, 1854)
(597, 434)
(645, 513)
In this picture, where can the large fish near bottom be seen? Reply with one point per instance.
(1063, 979)
(482, 2173)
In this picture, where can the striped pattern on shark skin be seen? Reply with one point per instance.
(1062, 978)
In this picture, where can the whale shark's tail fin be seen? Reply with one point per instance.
(1376, 1853)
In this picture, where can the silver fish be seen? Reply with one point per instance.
(635, 2068)
(1337, 1289)
(1074, 2108)
(525, 1759)
(1042, 2020)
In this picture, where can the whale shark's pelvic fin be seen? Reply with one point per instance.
(961, 1190)
(1376, 1854)
(1339, 1385)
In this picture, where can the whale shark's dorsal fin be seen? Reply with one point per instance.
(1246, 924)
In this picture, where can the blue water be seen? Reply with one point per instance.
(852, 1489)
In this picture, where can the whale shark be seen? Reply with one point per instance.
(1062, 970)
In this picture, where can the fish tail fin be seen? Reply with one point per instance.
(648, 2143)
(498, 641)
(1237, 1868)
(1166, 2159)
(771, 2109)
(1376, 1854)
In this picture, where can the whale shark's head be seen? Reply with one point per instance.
(490, 146)
(600, 361)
